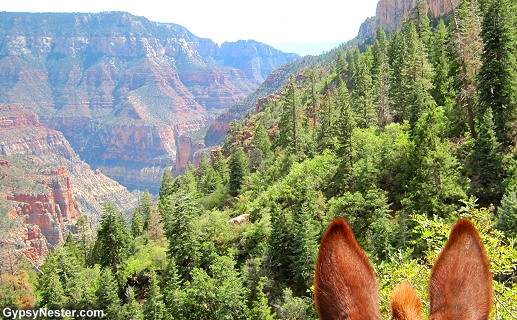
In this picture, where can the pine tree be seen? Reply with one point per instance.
(68, 270)
(442, 91)
(229, 289)
(221, 167)
(84, 233)
(260, 308)
(350, 60)
(466, 49)
(137, 223)
(396, 93)
(433, 184)
(153, 307)
(340, 67)
(208, 179)
(418, 15)
(131, 309)
(280, 244)
(416, 75)
(173, 295)
(326, 126)
(345, 127)
(380, 77)
(52, 294)
(305, 244)
(146, 204)
(234, 137)
(313, 100)
(178, 213)
(260, 139)
(498, 74)
(238, 170)
(379, 51)
(288, 124)
(187, 182)
(218, 294)
(167, 185)
(507, 212)
(362, 97)
(107, 295)
(155, 226)
(488, 179)
(112, 244)
(261, 147)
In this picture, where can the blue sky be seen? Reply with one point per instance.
(268, 21)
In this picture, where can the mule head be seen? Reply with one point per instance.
(460, 285)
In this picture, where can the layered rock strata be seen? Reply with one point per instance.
(391, 13)
(121, 88)
(38, 206)
(21, 133)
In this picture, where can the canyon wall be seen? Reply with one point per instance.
(123, 89)
(40, 202)
(390, 13)
(45, 187)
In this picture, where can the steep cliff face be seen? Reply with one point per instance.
(106, 79)
(37, 152)
(256, 59)
(390, 13)
(40, 198)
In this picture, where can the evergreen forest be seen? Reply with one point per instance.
(400, 135)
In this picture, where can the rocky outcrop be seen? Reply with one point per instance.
(219, 128)
(188, 152)
(94, 76)
(22, 133)
(23, 137)
(51, 205)
(39, 200)
(264, 101)
(390, 13)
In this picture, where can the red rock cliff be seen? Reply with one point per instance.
(390, 13)
(22, 134)
(40, 201)
(92, 75)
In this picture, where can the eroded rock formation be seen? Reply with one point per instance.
(121, 88)
(40, 202)
(22, 134)
(45, 187)
(390, 13)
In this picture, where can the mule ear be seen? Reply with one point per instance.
(345, 286)
(405, 303)
(461, 282)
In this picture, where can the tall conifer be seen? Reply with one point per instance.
(498, 73)
(466, 50)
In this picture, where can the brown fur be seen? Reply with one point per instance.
(405, 303)
(344, 286)
(461, 282)
(460, 288)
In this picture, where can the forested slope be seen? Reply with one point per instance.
(400, 139)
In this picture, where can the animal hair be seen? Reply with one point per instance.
(460, 286)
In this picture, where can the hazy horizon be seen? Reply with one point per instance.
(271, 22)
(306, 48)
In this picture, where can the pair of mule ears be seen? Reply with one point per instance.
(460, 287)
